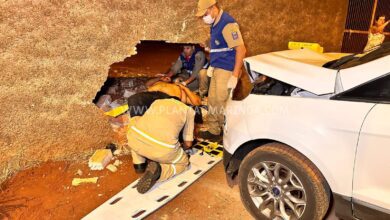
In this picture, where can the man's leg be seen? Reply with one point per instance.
(137, 159)
(166, 169)
(170, 168)
(163, 168)
(218, 95)
(139, 162)
(204, 82)
(222, 94)
(211, 118)
(171, 161)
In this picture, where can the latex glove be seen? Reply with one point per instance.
(232, 83)
(190, 151)
(160, 75)
(210, 71)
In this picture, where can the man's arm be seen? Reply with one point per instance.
(176, 67)
(206, 45)
(379, 29)
(188, 131)
(240, 55)
(232, 35)
(199, 63)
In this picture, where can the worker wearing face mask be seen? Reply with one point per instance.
(227, 51)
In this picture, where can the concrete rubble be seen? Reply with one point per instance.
(112, 168)
(100, 159)
(79, 181)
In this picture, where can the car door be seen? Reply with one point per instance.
(371, 181)
(371, 184)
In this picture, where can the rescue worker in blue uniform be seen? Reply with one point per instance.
(227, 51)
(190, 70)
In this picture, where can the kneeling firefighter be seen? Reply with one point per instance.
(157, 120)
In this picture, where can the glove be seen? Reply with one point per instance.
(184, 83)
(190, 151)
(210, 71)
(160, 75)
(232, 83)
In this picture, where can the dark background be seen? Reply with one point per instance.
(360, 13)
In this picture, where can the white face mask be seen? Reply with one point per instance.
(208, 19)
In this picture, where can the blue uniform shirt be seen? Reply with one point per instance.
(221, 56)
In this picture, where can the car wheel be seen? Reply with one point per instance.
(277, 182)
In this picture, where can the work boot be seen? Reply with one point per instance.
(140, 168)
(147, 181)
(206, 135)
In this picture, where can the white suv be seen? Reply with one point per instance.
(325, 139)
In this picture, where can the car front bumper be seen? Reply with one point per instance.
(230, 173)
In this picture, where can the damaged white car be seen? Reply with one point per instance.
(316, 133)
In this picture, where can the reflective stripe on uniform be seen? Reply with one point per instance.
(152, 139)
(221, 50)
(179, 157)
(174, 169)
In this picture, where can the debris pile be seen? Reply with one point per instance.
(101, 159)
(112, 100)
(122, 87)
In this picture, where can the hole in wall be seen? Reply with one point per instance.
(152, 57)
(130, 76)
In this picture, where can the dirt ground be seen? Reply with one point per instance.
(46, 192)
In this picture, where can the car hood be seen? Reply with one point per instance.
(300, 68)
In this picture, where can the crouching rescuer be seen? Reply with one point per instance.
(157, 120)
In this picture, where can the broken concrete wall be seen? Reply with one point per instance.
(55, 55)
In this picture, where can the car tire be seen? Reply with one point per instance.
(295, 179)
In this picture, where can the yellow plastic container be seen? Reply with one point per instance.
(300, 45)
(117, 111)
